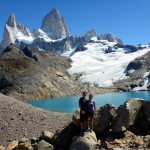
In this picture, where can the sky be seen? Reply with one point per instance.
(129, 20)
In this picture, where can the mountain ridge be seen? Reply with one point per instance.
(53, 29)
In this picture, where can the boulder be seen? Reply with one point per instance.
(76, 118)
(42, 145)
(145, 118)
(24, 144)
(103, 118)
(12, 145)
(46, 135)
(85, 141)
(64, 137)
(146, 110)
(2, 148)
(127, 116)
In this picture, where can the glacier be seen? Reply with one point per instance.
(99, 68)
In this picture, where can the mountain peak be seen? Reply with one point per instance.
(89, 34)
(54, 11)
(11, 22)
(111, 38)
(54, 25)
(10, 32)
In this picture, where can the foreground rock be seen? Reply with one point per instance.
(64, 137)
(127, 116)
(103, 118)
(86, 140)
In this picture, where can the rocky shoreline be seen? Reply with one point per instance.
(24, 127)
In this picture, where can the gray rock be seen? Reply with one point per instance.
(10, 32)
(127, 116)
(76, 118)
(42, 145)
(146, 110)
(131, 48)
(23, 140)
(145, 118)
(90, 34)
(111, 38)
(84, 141)
(24, 30)
(80, 48)
(2, 148)
(103, 118)
(54, 26)
(47, 136)
(65, 26)
(64, 137)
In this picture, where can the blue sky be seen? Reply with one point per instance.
(129, 20)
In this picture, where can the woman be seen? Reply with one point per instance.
(90, 111)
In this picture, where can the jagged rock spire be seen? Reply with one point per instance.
(111, 38)
(54, 25)
(89, 34)
(10, 32)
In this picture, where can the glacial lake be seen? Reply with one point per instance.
(70, 103)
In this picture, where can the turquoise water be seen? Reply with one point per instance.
(70, 103)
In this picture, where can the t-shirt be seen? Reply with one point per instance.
(90, 106)
(82, 103)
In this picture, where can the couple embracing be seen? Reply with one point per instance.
(87, 111)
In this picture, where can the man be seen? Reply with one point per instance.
(90, 111)
(82, 106)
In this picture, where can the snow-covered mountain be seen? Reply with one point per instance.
(53, 29)
(53, 35)
(102, 63)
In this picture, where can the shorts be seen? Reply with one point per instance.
(82, 117)
(89, 115)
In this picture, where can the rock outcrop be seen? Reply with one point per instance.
(127, 116)
(104, 117)
(10, 32)
(110, 37)
(63, 138)
(85, 141)
(24, 30)
(137, 73)
(89, 34)
(32, 75)
(54, 25)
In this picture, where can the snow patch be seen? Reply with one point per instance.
(22, 38)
